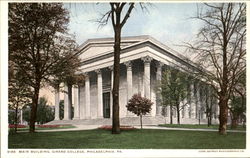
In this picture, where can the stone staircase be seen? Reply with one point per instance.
(132, 121)
(108, 121)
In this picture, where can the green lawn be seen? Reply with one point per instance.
(134, 139)
(202, 126)
(43, 128)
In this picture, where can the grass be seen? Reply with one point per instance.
(202, 126)
(44, 128)
(134, 139)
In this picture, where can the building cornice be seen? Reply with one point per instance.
(149, 42)
(110, 41)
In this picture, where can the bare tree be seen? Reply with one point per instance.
(116, 12)
(221, 49)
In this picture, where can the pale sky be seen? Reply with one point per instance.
(170, 23)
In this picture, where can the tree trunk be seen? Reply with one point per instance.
(115, 92)
(34, 108)
(223, 115)
(209, 118)
(234, 121)
(234, 124)
(199, 117)
(178, 114)
(208, 121)
(141, 120)
(171, 115)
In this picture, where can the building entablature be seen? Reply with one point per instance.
(99, 58)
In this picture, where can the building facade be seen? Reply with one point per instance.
(142, 62)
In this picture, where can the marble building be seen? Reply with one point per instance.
(143, 59)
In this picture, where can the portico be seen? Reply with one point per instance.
(142, 61)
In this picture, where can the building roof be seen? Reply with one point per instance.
(100, 48)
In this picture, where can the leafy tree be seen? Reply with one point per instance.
(237, 105)
(221, 50)
(61, 110)
(26, 113)
(19, 93)
(237, 110)
(164, 113)
(40, 46)
(207, 96)
(139, 105)
(174, 91)
(12, 117)
(44, 112)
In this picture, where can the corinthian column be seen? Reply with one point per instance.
(76, 103)
(67, 102)
(87, 96)
(57, 100)
(99, 94)
(147, 83)
(111, 87)
(129, 82)
(21, 116)
(193, 105)
(198, 100)
(159, 96)
(146, 77)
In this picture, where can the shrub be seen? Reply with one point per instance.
(139, 105)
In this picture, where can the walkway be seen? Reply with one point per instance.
(187, 129)
(90, 127)
(77, 128)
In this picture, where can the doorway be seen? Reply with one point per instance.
(106, 105)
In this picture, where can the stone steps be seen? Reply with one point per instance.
(147, 120)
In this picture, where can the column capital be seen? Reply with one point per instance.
(147, 59)
(159, 64)
(111, 68)
(98, 71)
(86, 74)
(76, 86)
(128, 64)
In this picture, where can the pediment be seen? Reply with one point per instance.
(101, 50)
(93, 48)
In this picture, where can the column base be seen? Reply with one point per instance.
(66, 119)
(76, 118)
(82, 118)
(56, 119)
